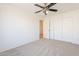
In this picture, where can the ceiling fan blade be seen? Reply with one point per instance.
(39, 6)
(55, 10)
(38, 11)
(51, 4)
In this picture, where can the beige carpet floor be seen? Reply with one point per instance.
(44, 48)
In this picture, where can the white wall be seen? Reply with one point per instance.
(17, 27)
(64, 27)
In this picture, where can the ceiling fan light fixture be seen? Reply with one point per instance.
(47, 12)
(46, 8)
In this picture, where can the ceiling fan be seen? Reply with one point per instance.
(46, 8)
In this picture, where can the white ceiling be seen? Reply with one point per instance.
(62, 7)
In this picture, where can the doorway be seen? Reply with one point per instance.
(41, 29)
